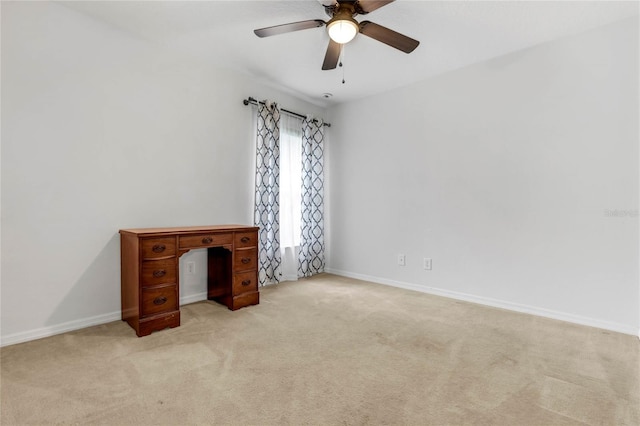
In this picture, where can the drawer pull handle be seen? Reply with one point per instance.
(207, 240)
(159, 273)
(245, 239)
(246, 282)
(246, 260)
(159, 300)
(158, 248)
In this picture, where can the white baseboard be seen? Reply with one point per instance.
(496, 303)
(42, 332)
(192, 298)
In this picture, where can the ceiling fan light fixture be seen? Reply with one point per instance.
(342, 30)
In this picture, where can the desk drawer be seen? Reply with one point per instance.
(154, 248)
(156, 272)
(245, 259)
(246, 239)
(205, 240)
(245, 282)
(159, 299)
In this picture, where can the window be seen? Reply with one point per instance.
(290, 180)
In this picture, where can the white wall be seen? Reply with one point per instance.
(103, 131)
(506, 173)
(501, 172)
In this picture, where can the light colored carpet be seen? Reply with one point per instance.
(328, 351)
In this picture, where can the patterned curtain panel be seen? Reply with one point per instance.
(267, 209)
(311, 255)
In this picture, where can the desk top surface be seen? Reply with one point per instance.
(189, 229)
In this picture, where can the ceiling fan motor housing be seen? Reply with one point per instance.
(356, 8)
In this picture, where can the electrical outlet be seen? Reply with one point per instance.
(191, 268)
(401, 260)
(427, 263)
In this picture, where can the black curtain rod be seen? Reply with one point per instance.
(250, 100)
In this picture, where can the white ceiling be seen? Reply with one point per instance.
(452, 34)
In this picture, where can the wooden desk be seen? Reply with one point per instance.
(150, 271)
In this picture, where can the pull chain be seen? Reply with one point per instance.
(342, 59)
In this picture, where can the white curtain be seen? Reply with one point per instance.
(290, 193)
(311, 255)
(290, 178)
(267, 197)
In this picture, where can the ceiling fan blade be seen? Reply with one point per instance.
(332, 55)
(389, 37)
(370, 5)
(287, 28)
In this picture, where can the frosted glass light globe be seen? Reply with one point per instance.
(342, 30)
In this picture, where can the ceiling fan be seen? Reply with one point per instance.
(342, 28)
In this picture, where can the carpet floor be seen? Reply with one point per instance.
(328, 350)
